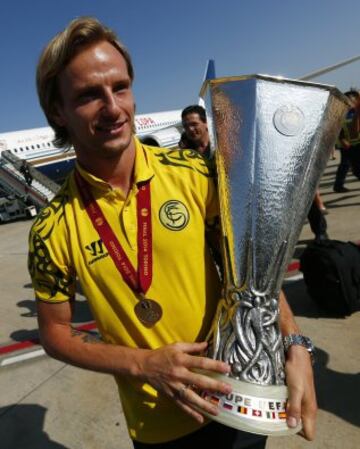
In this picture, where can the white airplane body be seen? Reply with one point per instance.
(37, 147)
(158, 129)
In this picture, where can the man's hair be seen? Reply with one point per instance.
(80, 33)
(352, 93)
(194, 109)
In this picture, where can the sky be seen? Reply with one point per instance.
(170, 42)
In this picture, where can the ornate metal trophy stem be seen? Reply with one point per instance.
(250, 337)
(272, 139)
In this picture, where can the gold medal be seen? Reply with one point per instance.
(148, 312)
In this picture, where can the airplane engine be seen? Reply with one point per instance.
(168, 137)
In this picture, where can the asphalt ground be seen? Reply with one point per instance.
(50, 405)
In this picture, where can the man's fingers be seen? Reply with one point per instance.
(293, 410)
(190, 411)
(185, 395)
(180, 392)
(308, 417)
(191, 348)
(302, 397)
(205, 363)
(207, 383)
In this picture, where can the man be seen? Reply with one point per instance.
(196, 135)
(25, 170)
(129, 223)
(349, 143)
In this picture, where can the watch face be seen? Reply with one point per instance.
(309, 344)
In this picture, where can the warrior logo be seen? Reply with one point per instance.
(174, 215)
(96, 250)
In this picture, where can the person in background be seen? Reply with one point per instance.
(196, 134)
(317, 220)
(349, 143)
(25, 170)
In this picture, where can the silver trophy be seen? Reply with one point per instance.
(273, 138)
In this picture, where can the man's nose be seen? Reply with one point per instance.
(111, 105)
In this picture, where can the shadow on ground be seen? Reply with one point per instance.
(337, 393)
(21, 427)
(82, 311)
(82, 314)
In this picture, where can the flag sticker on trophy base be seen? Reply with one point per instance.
(260, 411)
(272, 138)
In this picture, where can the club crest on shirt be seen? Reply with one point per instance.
(174, 215)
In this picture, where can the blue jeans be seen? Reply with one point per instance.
(212, 436)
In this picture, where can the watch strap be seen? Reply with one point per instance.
(300, 340)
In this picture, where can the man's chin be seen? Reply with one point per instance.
(116, 147)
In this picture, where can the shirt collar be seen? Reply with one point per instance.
(142, 170)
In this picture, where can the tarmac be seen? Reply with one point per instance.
(47, 404)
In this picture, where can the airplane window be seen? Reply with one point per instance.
(32, 146)
(15, 150)
(38, 145)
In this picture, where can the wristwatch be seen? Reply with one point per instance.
(297, 339)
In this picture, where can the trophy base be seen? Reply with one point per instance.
(258, 409)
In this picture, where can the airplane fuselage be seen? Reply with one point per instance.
(37, 145)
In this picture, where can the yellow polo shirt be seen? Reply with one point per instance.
(64, 246)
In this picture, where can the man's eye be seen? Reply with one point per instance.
(87, 96)
(120, 87)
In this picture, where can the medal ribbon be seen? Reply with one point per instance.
(139, 281)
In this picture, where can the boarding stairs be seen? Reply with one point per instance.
(41, 190)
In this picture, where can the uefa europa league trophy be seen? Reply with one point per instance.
(272, 139)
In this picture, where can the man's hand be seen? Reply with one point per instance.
(171, 370)
(302, 398)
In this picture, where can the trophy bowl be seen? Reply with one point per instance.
(272, 139)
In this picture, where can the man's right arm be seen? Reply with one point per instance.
(170, 369)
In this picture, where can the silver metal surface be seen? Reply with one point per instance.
(272, 139)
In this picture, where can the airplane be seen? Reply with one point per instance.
(37, 147)
(157, 129)
(161, 129)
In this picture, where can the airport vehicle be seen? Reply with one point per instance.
(13, 208)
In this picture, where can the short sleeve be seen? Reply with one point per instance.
(52, 280)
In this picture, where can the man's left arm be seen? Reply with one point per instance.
(299, 376)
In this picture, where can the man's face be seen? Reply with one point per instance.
(97, 105)
(195, 129)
